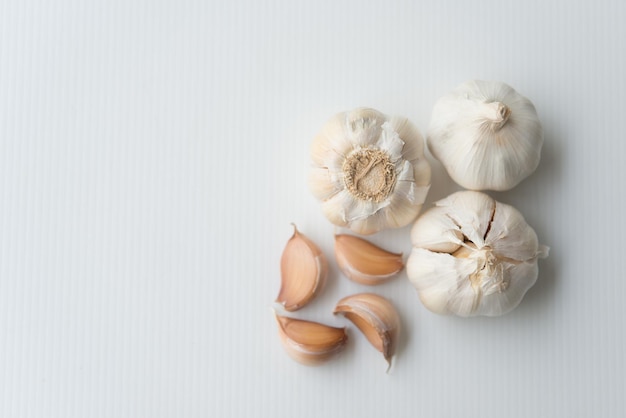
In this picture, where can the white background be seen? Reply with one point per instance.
(154, 153)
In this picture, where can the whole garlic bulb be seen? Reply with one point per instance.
(487, 135)
(369, 171)
(473, 256)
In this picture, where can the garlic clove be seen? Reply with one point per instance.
(331, 144)
(472, 212)
(310, 343)
(364, 262)
(520, 278)
(322, 185)
(434, 276)
(404, 204)
(341, 208)
(422, 173)
(303, 269)
(368, 225)
(436, 232)
(510, 236)
(363, 126)
(377, 319)
(486, 135)
(412, 150)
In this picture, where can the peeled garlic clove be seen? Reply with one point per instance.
(364, 262)
(310, 343)
(487, 266)
(369, 171)
(486, 135)
(303, 269)
(376, 317)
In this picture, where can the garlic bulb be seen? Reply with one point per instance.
(369, 171)
(473, 256)
(486, 135)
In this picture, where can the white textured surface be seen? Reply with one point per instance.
(153, 154)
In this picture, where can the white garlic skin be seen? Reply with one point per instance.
(473, 256)
(486, 135)
(375, 203)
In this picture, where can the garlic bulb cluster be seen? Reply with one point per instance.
(473, 256)
(369, 171)
(486, 135)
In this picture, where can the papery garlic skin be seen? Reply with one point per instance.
(369, 171)
(486, 135)
(473, 256)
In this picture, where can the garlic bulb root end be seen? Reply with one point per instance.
(369, 171)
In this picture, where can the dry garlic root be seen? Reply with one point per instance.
(369, 171)
(376, 317)
(310, 343)
(486, 135)
(303, 269)
(473, 256)
(365, 263)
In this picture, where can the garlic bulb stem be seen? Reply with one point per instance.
(497, 114)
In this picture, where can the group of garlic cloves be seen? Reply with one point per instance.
(304, 271)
